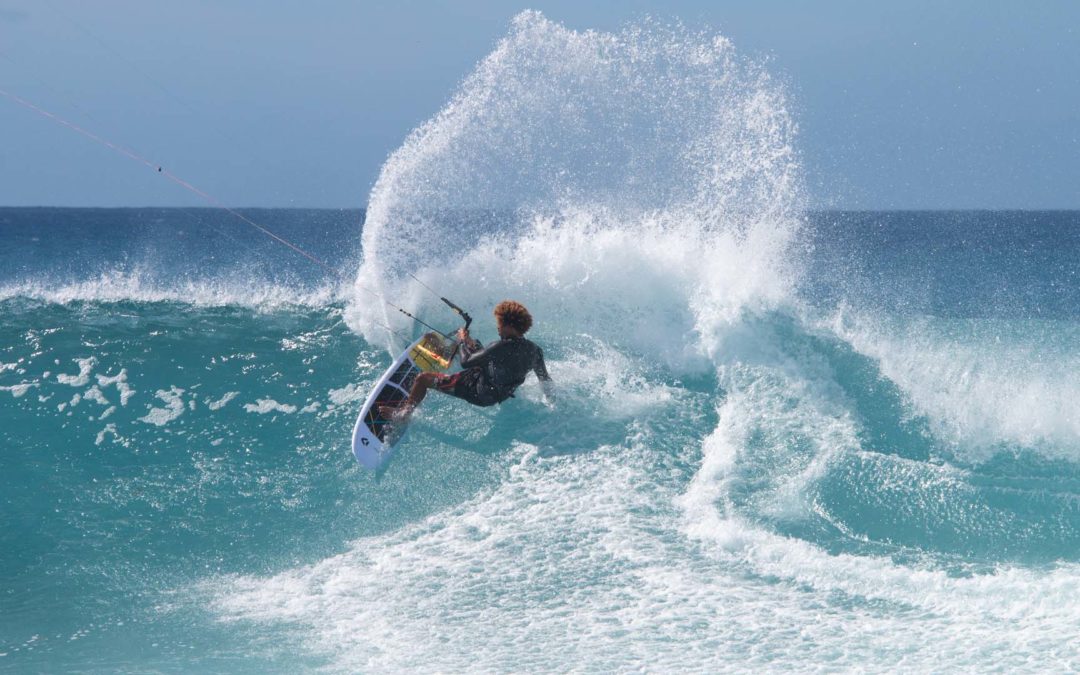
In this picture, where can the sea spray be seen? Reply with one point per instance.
(656, 136)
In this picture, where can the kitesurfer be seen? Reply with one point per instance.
(489, 374)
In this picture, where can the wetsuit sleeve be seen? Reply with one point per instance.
(546, 385)
(539, 367)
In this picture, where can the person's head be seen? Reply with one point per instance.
(512, 318)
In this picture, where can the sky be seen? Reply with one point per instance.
(900, 105)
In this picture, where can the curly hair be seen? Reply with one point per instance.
(513, 314)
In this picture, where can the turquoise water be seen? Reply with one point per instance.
(784, 439)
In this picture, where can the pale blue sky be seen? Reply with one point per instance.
(958, 104)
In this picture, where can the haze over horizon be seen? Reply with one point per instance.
(967, 106)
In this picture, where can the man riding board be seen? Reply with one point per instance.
(489, 374)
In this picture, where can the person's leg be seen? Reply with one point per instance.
(420, 386)
(419, 389)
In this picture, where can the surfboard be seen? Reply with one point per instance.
(375, 436)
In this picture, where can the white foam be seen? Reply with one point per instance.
(348, 394)
(606, 380)
(109, 429)
(86, 366)
(19, 390)
(120, 382)
(223, 401)
(267, 405)
(94, 394)
(477, 543)
(174, 407)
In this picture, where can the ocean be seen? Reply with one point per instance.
(784, 439)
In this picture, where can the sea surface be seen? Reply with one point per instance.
(785, 439)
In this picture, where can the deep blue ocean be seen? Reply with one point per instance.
(784, 439)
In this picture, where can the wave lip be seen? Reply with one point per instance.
(985, 386)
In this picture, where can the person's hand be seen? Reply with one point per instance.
(463, 334)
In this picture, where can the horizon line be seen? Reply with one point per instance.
(915, 209)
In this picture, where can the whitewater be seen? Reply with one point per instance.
(784, 439)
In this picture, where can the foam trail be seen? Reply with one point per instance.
(490, 585)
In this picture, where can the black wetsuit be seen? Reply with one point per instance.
(492, 373)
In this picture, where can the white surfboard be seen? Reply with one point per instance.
(374, 436)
